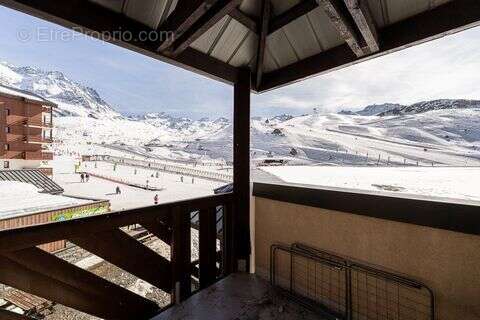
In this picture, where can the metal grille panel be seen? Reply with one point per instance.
(345, 289)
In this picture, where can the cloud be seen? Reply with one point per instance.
(444, 68)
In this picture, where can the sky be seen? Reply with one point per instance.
(135, 84)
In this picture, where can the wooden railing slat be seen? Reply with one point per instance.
(228, 243)
(160, 230)
(208, 246)
(181, 254)
(26, 237)
(130, 255)
(53, 267)
(18, 276)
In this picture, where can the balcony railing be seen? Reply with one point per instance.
(47, 156)
(15, 137)
(27, 138)
(16, 120)
(36, 123)
(28, 268)
(38, 139)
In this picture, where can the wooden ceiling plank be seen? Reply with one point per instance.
(339, 16)
(242, 18)
(292, 14)
(447, 19)
(363, 18)
(208, 20)
(262, 42)
(91, 19)
(183, 17)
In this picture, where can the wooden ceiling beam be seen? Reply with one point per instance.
(292, 14)
(446, 19)
(343, 22)
(91, 19)
(262, 42)
(242, 18)
(279, 21)
(217, 12)
(363, 19)
(183, 17)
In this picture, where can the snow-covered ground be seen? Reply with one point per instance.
(130, 197)
(442, 182)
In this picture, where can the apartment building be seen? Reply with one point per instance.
(26, 123)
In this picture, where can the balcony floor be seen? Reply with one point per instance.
(239, 297)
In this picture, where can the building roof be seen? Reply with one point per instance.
(14, 193)
(280, 41)
(11, 92)
(32, 176)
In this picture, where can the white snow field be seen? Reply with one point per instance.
(458, 183)
(130, 197)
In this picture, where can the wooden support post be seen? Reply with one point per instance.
(241, 176)
(208, 246)
(181, 255)
(228, 237)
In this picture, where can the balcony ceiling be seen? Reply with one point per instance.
(282, 43)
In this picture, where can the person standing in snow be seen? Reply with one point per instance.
(87, 177)
(82, 177)
(117, 191)
(155, 199)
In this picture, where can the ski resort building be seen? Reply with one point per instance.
(26, 123)
(29, 197)
(266, 250)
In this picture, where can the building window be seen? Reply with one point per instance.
(7, 111)
(6, 164)
(7, 147)
(7, 129)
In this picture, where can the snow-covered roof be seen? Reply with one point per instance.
(34, 177)
(21, 199)
(11, 92)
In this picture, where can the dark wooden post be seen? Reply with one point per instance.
(208, 246)
(181, 255)
(241, 176)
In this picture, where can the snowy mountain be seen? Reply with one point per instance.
(372, 110)
(394, 109)
(440, 131)
(73, 99)
(425, 106)
(375, 109)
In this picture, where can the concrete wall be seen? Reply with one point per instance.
(446, 261)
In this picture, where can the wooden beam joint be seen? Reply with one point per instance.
(262, 41)
(343, 22)
(364, 21)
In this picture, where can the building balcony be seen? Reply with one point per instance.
(10, 137)
(47, 156)
(37, 123)
(14, 155)
(16, 120)
(39, 139)
(33, 139)
(316, 254)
